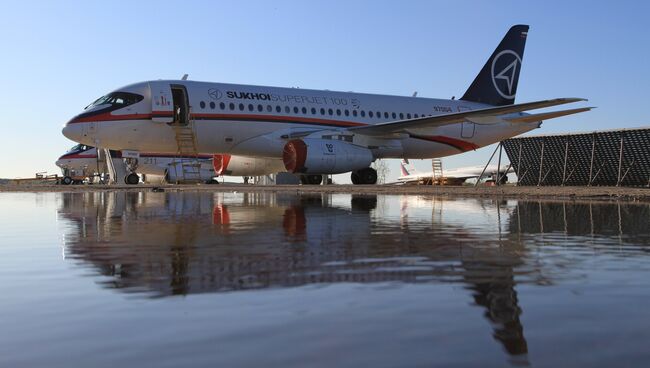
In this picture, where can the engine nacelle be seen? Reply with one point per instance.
(324, 156)
(245, 166)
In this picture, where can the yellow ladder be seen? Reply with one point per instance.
(436, 165)
(186, 163)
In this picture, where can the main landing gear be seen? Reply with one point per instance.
(311, 179)
(364, 176)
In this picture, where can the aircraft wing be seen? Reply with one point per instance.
(487, 114)
(546, 115)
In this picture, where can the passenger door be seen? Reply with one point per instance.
(162, 107)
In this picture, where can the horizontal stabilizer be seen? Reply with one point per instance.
(402, 126)
(547, 115)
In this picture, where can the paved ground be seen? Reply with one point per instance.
(508, 191)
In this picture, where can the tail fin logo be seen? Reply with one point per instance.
(509, 62)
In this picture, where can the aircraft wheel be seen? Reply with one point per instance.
(212, 181)
(367, 176)
(132, 179)
(314, 179)
(354, 177)
(311, 179)
(66, 180)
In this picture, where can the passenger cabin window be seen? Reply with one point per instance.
(202, 104)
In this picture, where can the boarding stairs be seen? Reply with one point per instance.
(116, 168)
(186, 162)
(436, 166)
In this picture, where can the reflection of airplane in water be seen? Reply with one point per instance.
(180, 243)
(165, 244)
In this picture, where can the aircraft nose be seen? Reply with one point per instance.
(72, 132)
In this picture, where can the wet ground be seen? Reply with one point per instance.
(630, 194)
(107, 279)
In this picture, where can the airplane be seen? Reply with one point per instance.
(82, 161)
(459, 175)
(316, 132)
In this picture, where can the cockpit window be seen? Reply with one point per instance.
(121, 99)
(79, 148)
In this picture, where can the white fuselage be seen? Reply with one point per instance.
(257, 121)
(85, 163)
(457, 173)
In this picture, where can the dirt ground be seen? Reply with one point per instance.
(507, 191)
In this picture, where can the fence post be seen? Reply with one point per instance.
(541, 163)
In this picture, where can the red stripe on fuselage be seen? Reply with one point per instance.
(278, 118)
(269, 118)
(108, 117)
(77, 155)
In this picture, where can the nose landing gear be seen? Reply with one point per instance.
(132, 179)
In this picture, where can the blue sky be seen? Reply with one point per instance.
(59, 56)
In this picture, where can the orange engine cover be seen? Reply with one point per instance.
(220, 163)
(294, 156)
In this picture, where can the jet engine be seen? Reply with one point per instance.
(245, 166)
(324, 156)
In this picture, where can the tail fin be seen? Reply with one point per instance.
(407, 167)
(496, 84)
(402, 165)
